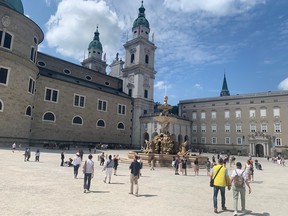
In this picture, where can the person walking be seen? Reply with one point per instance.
(76, 164)
(62, 158)
(116, 163)
(13, 147)
(88, 170)
(134, 175)
(238, 180)
(196, 167)
(108, 166)
(208, 166)
(152, 162)
(102, 159)
(27, 154)
(184, 166)
(221, 179)
(176, 165)
(37, 155)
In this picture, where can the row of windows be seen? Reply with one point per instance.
(52, 95)
(238, 113)
(132, 58)
(78, 120)
(239, 140)
(238, 128)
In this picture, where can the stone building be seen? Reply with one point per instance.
(253, 124)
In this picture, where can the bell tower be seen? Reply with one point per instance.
(138, 74)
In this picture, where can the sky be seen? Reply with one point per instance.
(197, 41)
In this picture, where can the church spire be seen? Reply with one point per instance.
(225, 90)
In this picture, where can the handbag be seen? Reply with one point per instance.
(212, 180)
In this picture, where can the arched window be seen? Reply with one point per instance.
(1, 106)
(28, 111)
(132, 58)
(100, 123)
(121, 126)
(147, 59)
(77, 120)
(49, 116)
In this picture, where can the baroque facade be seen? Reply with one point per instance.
(254, 124)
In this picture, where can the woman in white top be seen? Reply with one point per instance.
(76, 163)
(247, 169)
(108, 166)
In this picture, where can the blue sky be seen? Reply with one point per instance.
(197, 40)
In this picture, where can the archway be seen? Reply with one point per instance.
(259, 150)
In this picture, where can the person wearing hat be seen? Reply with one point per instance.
(76, 164)
(238, 179)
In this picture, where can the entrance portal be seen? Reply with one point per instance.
(259, 150)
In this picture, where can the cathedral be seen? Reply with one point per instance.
(47, 101)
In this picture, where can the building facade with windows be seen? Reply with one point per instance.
(253, 124)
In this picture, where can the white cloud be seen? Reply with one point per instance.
(72, 27)
(198, 86)
(283, 85)
(162, 85)
(213, 7)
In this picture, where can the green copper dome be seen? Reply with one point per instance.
(14, 4)
(141, 20)
(96, 44)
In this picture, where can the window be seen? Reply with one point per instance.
(227, 128)
(102, 105)
(132, 58)
(147, 59)
(100, 123)
(214, 128)
(214, 140)
(145, 93)
(238, 114)
(1, 106)
(264, 128)
(277, 128)
(28, 111)
(194, 115)
(203, 128)
(77, 120)
(227, 140)
(263, 112)
(49, 116)
(79, 101)
(120, 126)
(51, 95)
(203, 140)
(33, 53)
(252, 113)
(31, 86)
(130, 92)
(278, 141)
(239, 140)
(194, 128)
(4, 75)
(238, 128)
(5, 39)
(276, 112)
(213, 115)
(252, 128)
(227, 114)
(203, 115)
(121, 109)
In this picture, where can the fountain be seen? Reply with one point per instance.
(164, 147)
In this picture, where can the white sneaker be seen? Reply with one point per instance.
(84, 190)
(235, 213)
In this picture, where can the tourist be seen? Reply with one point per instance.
(141, 163)
(238, 180)
(134, 175)
(81, 153)
(247, 169)
(184, 166)
(221, 179)
(37, 155)
(13, 147)
(76, 164)
(27, 154)
(196, 167)
(62, 158)
(88, 170)
(108, 166)
(176, 165)
(208, 166)
(152, 162)
(102, 159)
(116, 163)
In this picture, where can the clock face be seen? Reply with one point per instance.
(5, 21)
(131, 79)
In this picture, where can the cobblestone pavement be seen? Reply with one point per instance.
(45, 188)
